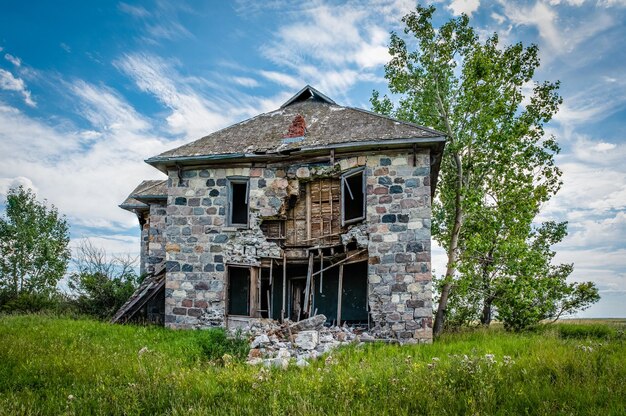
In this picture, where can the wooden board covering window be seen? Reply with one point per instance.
(316, 214)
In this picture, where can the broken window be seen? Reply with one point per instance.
(238, 202)
(239, 291)
(353, 196)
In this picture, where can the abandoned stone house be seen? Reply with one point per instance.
(313, 208)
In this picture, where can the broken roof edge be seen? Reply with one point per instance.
(355, 145)
(312, 91)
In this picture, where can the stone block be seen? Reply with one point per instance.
(307, 340)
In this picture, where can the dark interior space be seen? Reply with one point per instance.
(239, 291)
(353, 197)
(239, 201)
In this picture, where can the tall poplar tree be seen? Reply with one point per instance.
(498, 166)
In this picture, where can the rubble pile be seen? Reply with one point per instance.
(279, 345)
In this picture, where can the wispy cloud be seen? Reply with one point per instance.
(559, 35)
(13, 59)
(161, 22)
(9, 82)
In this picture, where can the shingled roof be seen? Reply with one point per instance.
(147, 190)
(327, 125)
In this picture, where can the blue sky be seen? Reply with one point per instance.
(88, 90)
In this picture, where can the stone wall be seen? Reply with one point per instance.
(156, 226)
(399, 218)
(200, 243)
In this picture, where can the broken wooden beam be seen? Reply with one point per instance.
(340, 262)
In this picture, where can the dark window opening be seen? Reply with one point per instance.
(353, 196)
(239, 291)
(239, 202)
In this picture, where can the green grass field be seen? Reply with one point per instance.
(60, 366)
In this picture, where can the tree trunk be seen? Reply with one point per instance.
(485, 318)
(452, 259)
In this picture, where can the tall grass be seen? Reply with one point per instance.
(62, 366)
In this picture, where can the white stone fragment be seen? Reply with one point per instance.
(260, 341)
(307, 340)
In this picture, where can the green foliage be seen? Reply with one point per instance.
(89, 367)
(589, 331)
(215, 344)
(497, 170)
(100, 295)
(101, 284)
(33, 245)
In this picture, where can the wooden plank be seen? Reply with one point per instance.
(339, 292)
(282, 312)
(321, 269)
(308, 211)
(307, 291)
(269, 305)
(254, 291)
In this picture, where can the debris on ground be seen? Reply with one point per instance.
(278, 345)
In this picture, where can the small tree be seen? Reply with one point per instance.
(102, 283)
(33, 245)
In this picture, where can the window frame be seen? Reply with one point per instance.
(254, 282)
(344, 177)
(238, 180)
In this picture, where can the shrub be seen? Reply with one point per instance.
(214, 344)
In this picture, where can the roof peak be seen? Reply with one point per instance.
(306, 93)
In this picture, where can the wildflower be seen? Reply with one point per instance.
(490, 358)
(70, 397)
(143, 351)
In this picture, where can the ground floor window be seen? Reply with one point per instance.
(239, 291)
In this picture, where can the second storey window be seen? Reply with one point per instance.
(238, 202)
(353, 196)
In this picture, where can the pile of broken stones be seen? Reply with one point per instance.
(278, 345)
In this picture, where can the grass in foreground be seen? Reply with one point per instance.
(62, 366)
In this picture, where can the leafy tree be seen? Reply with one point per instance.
(33, 245)
(102, 283)
(498, 166)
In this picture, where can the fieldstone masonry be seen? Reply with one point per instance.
(198, 243)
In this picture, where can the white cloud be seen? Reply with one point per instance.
(191, 114)
(106, 109)
(8, 82)
(245, 82)
(65, 47)
(282, 79)
(135, 11)
(560, 35)
(9, 183)
(333, 47)
(13, 59)
(463, 6)
(85, 173)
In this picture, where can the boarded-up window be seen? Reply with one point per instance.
(325, 207)
(273, 229)
(353, 196)
(239, 291)
(238, 202)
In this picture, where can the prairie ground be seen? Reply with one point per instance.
(53, 365)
